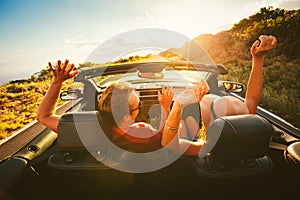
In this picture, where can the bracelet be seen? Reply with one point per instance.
(171, 128)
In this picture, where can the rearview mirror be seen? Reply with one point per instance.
(231, 86)
(151, 75)
(71, 94)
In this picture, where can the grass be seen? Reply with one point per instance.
(19, 101)
(281, 86)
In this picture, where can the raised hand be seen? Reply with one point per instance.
(166, 97)
(263, 45)
(62, 71)
(193, 94)
(46, 112)
(201, 88)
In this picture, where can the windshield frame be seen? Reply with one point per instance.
(145, 67)
(170, 77)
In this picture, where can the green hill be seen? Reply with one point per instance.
(282, 65)
(234, 43)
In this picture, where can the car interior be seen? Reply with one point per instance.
(253, 157)
(241, 153)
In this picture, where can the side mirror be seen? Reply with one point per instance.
(71, 94)
(222, 69)
(231, 86)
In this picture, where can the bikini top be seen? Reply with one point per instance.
(194, 111)
(213, 113)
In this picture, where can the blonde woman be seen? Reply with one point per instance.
(119, 106)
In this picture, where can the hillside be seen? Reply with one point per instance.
(234, 43)
(19, 99)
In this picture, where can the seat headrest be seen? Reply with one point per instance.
(78, 130)
(292, 154)
(238, 137)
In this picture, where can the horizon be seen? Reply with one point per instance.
(35, 32)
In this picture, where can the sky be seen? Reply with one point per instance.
(33, 32)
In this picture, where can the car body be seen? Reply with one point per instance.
(66, 166)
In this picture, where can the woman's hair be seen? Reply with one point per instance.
(114, 103)
(202, 132)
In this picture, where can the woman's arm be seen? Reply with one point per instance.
(46, 111)
(171, 134)
(171, 131)
(165, 100)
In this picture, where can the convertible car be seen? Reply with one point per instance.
(255, 156)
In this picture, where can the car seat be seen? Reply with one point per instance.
(235, 146)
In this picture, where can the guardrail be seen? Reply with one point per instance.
(15, 142)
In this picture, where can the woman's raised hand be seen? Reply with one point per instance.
(165, 98)
(62, 71)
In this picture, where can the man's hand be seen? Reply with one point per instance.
(263, 45)
(193, 94)
(201, 89)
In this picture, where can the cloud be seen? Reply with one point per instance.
(291, 5)
(77, 43)
(136, 41)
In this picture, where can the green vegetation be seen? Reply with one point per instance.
(20, 99)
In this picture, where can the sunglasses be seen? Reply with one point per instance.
(137, 108)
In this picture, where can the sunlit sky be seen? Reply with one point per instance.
(33, 32)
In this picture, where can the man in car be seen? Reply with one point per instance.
(212, 107)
